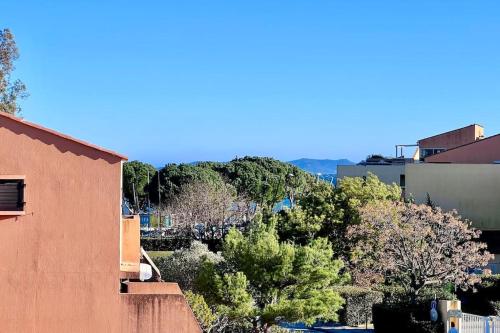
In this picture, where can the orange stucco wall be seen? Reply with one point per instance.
(454, 138)
(60, 263)
(485, 151)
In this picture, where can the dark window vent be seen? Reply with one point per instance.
(12, 195)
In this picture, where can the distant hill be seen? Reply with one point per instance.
(324, 167)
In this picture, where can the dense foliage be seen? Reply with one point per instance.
(165, 244)
(205, 316)
(292, 264)
(183, 266)
(263, 281)
(484, 299)
(136, 178)
(265, 181)
(358, 305)
(415, 246)
(174, 177)
(404, 318)
(325, 211)
(10, 90)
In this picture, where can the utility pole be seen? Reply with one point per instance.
(134, 194)
(159, 203)
(149, 202)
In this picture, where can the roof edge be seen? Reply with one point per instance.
(464, 145)
(451, 131)
(63, 136)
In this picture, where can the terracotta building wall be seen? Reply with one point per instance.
(485, 151)
(59, 263)
(454, 138)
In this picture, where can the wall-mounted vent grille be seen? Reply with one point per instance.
(11, 195)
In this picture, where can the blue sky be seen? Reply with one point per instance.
(174, 81)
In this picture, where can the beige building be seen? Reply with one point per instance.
(472, 189)
(456, 170)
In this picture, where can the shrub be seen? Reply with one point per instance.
(484, 299)
(396, 295)
(165, 244)
(201, 310)
(184, 265)
(495, 305)
(425, 326)
(408, 319)
(392, 294)
(358, 304)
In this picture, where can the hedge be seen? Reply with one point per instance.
(358, 304)
(400, 318)
(396, 294)
(484, 299)
(165, 244)
(177, 243)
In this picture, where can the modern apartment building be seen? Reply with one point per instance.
(458, 170)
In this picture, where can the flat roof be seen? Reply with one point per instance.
(63, 136)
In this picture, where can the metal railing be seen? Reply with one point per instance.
(479, 324)
(474, 324)
(495, 324)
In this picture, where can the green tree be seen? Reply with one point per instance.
(264, 281)
(205, 316)
(136, 177)
(264, 180)
(355, 192)
(315, 212)
(325, 211)
(173, 177)
(10, 90)
(261, 180)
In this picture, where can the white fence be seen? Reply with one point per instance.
(474, 324)
(495, 324)
(479, 324)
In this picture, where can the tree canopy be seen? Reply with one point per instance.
(136, 177)
(415, 246)
(325, 211)
(264, 180)
(173, 177)
(264, 281)
(10, 90)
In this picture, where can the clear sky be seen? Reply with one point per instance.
(179, 81)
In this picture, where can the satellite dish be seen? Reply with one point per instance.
(145, 272)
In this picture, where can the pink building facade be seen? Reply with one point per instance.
(60, 216)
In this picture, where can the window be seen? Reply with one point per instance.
(402, 180)
(11, 195)
(426, 152)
